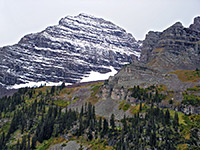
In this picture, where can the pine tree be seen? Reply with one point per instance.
(18, 145)
(153, 139)
(105, 126)
(100, 124)
(80, 132)
(125, 124)
(2, 140)
(112, 122)
(23, 144)
(28, 146)
(34, 140)
(62, 86)
(167, 117)
(140, 107)
(81, 113)
(52, 90)
(89, 135)
(176, 121)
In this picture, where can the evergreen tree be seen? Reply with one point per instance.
(112, 122)
(28, 146)
(100, 124)
(81, 113)
(105, 126)
(80, 132)
(52, 90)
(140, 107)
(34, 140)
(90, 136)
(2, 140)
(62, 86)
(176, 121)
(18, 145)
(125, 124)
(153, 139)
(23, 144)
(167, 117)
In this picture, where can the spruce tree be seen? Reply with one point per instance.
(28, 146)
(176, 121)
(34, 140)
(23, 144)
(140, 107)
(112, 122)
(105, 126)
(100, 124)
(167, 117)
(18, 145)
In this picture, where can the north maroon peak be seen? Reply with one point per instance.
(68, 51)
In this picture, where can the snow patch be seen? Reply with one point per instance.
(94, 76)
(35, 84)
(137, 54)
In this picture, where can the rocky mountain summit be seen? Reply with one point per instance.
(168, 60)
(175, 48)
(68, 51)
(196, 25)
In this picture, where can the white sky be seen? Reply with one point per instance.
(20, 17)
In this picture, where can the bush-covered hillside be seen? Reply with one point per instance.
(39, 118)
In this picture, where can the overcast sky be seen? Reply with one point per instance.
(20, 17)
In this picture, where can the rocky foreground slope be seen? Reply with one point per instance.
(68, 51)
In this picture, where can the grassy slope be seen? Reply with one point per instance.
(61, 102)
(187, 75)
(187, 121)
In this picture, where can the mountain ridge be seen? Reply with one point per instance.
(170, 60)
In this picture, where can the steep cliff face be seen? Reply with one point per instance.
(67, 52)
(174, 48)
(164, 55)
(196, 25)
(148, 45)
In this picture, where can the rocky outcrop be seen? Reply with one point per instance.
(175, 48)
(144, 76)
(190, 109)
(68, 51)
(67, 146)
(196, 25)
(148, 45)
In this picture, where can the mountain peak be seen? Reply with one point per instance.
(177, 25)
(68, 52)
(89, 21)
(86, 15)
(196, 25)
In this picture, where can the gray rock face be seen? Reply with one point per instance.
(196, 25)
(68, 51)
(148, 46)
(175, 48)
(108, 107)
(142, 75)
(71, 145)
